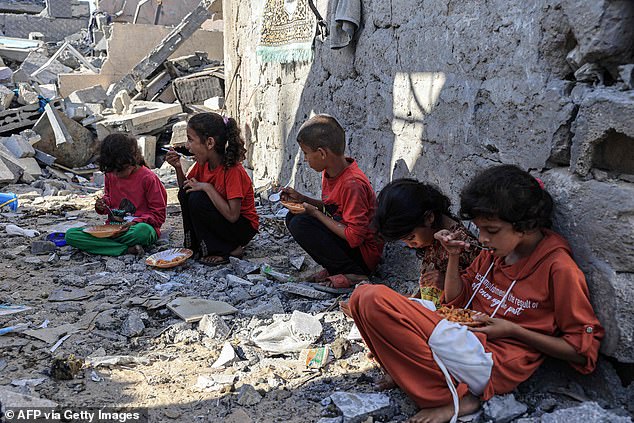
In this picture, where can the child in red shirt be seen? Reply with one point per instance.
(335, 231)
(129, 185)
(533, 296)
(216, 196)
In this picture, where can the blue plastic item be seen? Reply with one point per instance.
(9, 199)
(57, 238)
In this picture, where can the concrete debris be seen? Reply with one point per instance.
(19, 146)
(587, 412)
(132, 326)
(503, 409)
(193, 309)
(241, 267)
(197, 87)
(357, 407)
(214, 327)
(227, 356)
(248, 396)
(303, 290)
(42, 247)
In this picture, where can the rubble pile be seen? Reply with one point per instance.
(59, 98)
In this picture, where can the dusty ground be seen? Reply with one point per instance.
(121, 292)
(177, 354)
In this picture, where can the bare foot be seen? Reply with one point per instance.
(136, 250)
(468, 404)
(386, 382)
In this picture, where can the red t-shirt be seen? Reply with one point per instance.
(145, 190)
(230, 183)
(350, 199)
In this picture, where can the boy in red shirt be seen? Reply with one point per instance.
(335, 231)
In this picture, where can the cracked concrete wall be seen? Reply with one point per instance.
(438, 90)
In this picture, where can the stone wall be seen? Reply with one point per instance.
(54, 29)
(440, 89)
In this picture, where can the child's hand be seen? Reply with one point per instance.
(448, 240)
(173, 159)
(433, 277)
(192, 185)
(100, 205)
(289, 194)
(494, 328)
(309, 209)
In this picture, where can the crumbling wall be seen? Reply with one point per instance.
(438, 90)
(54, 29)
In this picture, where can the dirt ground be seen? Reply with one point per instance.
(177, 354)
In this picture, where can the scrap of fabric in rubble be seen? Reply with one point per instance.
(288, 30)
(344, 22)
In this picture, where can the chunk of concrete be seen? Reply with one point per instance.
(179, 134)
(132, 326)
(503, 408)
(6, 97)
(11, 164)
(68, 141)
(18, 146)
(197, 87)
(26, 95)
(42, 247)
(626, 74)
(227, 356)
(45, 159)
(6, 175)
(215, 103)
(241, 267)
(357, 407)
(248, 396)
(95, 94)
(604, 132)
(214, 326)
(5, 73)
(193, 309)
(303, 291)
(147, 144)
(603, 30)
(586, 412)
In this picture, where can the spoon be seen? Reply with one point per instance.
(168, 150)
(276, 196)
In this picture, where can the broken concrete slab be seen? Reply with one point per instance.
(68, 141)
(19, 146)
(95, 94)
(193, 309)
(42, 247)
(198, 87)
(6, 175)
(11, 163)
(215, 103)
(586, 412)
(30, 69)
(123, 55)
(164, 49)
(357, 407)
(5, 73)
(147, 117)
(303, 291)
(17, 49)
(30, 166)
(69, 294)
(179, 134)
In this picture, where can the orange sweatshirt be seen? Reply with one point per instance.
(550, 296)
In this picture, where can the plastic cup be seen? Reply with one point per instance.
(9, 199)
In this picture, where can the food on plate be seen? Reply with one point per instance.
(293, 206)
(459, 315)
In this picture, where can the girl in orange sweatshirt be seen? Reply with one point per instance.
(533, 295)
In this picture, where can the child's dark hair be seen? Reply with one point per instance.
(323, 131)
(119, 151)
(403, 205)
(508, 193)
(226, 133)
